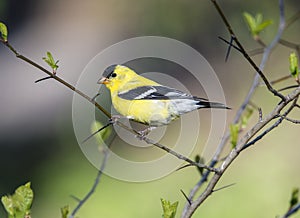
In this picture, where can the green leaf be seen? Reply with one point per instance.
(19, 204)
(24, 195)
(50, 61)
(294, 65)
(245, 118)
(65, 211)
(234, 133)
(295, 197)
(8, 205)
(256, 24)
(262, 26)
(258, 18)
(3, 31)
(250, 20)
(169, 210)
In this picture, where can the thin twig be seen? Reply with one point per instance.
(281, 79)
(294, 121)
(251, 91)
(276, 124)
(93, 188)
(165, 148)
(292, 19)
(75, 198)
(236, 151)
(55, 77)
(292, 45)
(243, 51)
(256, 51)
(43, 79)
(260, 42)
(184, 166)
(186, 197)
(94, 133)
(230, 45)
(203, 179)
(223, 187)
(229, 49)
(292, 211)
(289, 44)
(189, 210)
(289, 87)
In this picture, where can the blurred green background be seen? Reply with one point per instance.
(37, 142)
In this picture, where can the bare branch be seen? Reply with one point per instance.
(260, 42)
(292, 19)
(94, 133)
(186, 197)
(281, 79)
(276, 124)
(188, 211)
(230, 45)
(289, 87)
(289, 44)
(43, 79)
(239, 148)
(106, 152)
(292, 45)
(168, 150)
(229, 48)
(223, 187)
(251, 91)
(292, 120)
(54, 76)
(292, 211)
(267, 50)
(256, 51)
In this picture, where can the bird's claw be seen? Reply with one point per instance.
(114, 118)
(143, 133)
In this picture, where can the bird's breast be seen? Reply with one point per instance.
(152, 112)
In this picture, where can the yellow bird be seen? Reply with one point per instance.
(146, 101)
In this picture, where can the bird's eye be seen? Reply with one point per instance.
(113, 75)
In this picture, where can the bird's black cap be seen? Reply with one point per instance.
(109, 70)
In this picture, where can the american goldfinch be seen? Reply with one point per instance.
(145, 101)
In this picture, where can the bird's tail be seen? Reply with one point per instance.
(208, 104)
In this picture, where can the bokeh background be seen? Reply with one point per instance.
(37, 142)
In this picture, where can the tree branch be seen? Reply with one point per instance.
(55, 77)
(165, 148)
(268, 49)
(93, 188)
(243, 106)
(236, 151)
(294, 121)
(292, 211)
(276, 124)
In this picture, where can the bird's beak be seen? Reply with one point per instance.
(103, 80)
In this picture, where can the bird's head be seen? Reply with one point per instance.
(116, 75)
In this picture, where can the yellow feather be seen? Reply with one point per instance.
(151, 112)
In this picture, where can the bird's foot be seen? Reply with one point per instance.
(143, 133)
(115, 118)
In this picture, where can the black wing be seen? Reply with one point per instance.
(155, 93)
